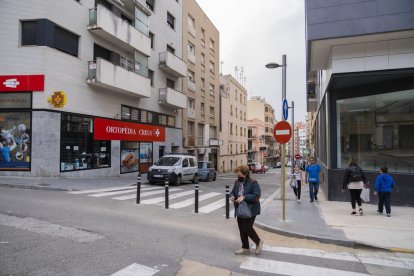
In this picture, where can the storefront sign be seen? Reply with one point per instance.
(17, 83)
(58, 99)
(15, 100)
(105, 129)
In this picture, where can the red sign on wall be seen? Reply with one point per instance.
(105, 129)
(23, 83)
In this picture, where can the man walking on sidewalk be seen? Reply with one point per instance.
(313, 176)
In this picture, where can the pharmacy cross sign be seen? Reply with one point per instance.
(282, 132)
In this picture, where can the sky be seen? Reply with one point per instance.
(252, 35)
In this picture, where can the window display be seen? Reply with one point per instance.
(129, 156)
(15, 138)
(145, 156)
(79, 150)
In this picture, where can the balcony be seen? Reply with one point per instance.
(191, 86)
(172, 98)
(191, 113)
(105, 24)
(102, 73)
(172, 65)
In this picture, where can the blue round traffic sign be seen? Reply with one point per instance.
(285, 109)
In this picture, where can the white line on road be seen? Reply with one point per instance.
(159, 191)
(119, 188)
(191, 201)
(47, 228)
(124, 192)
(213, 206)
(136, 269)
(294, 269)
(162, 199)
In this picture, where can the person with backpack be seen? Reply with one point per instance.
(355, 181)
(383, 187)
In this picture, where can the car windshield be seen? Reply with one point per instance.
(200, 165)
(168, 161)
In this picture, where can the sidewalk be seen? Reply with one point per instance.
(331, 222)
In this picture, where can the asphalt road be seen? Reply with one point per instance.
(58, 233)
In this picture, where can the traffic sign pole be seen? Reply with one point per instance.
(283, 183)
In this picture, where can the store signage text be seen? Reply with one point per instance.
(105, 129)
(22, 83)
(16, 100)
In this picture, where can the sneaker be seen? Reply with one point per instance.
(379, 212)
(388, 215)
(298, 200)
(354, 213)
(316, 197)
(361, 212)
(242, 251)
(259, 247)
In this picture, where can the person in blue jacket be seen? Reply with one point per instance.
(383, 187)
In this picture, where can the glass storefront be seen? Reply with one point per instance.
(129, 157)
(378, 130)
(78, 149)
(145, 156)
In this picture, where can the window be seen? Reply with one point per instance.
(29, 33)
(185, 162)
(245, 116)
(202, 108)
(237, 132)
(212, 44)
(129, 113)
(236, 112)
(235, 95)
(203, 59)
(241, 133)
(191, 128)
(151, 36)
(151, 77)
(170, 84)
(191, 26)
(162, 119)
(191, 53)
(231, 129)
(203, 84)
(142, 21)
(191, 77)
(241, 115)
(203, 37)
(78, 149)
(211, 88)
(191, 103)
(170, 49)
(212, 67)
(213, 132)
(150, 4)
(200, 134)
(171, 121)
(170, 20)
(211, 111)
(192, 163)
(231, 110)
(147, 116)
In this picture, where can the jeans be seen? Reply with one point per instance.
(297, 190)
(313, 189)
(246, 231)
(384, 198)
(355, 197)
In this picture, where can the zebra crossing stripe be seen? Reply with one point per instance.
(136, 269)
(119, 188)
(294, 269)
(191, 201)
(121, 192)
(162, 198)
(213, 206)
(159, 190)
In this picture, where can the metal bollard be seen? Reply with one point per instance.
(166, 193)
(227, 201)
(139, 188)
(196, 199)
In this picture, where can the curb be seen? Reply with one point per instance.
(34, 187)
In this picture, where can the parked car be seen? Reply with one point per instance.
(174, 168)
(206, 171)
(277, 165)
(289, 164)
(257, 168)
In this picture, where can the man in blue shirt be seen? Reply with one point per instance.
(313, 176)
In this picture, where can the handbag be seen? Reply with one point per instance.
(365, 194)
(243, 211)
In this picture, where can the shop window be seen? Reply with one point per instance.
(171, 121)
(129, 156)
(79, 151)
(129, 113)
(145, 157)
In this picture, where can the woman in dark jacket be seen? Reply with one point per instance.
(354, 181)
(247, 189)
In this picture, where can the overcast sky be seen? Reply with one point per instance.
(256, 32)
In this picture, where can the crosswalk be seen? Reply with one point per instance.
(310, 262)
(179, 198)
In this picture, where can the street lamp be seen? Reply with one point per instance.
(273, 65)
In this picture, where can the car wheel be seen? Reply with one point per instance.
(195, 179)
(178, 180)
(208, 178)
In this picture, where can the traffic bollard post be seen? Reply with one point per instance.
(139, 188)
(196, 199)
(166, 193)
(227, 201)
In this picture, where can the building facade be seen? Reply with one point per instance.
(361, 87)
(87, 87)
(201, 53)
(256, 141)
(233, 124)
(258, 108)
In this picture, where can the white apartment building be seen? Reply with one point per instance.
(89, 88)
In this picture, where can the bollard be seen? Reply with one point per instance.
(227, 201)
(166, 193)
(196, 199)
(139, 188)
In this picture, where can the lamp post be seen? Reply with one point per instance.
(274, 65)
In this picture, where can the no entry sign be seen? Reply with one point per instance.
(282, 132)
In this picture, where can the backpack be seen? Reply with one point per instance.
(355, 174)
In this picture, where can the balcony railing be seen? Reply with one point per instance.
(191, 113)
(191, 86)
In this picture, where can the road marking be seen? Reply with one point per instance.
(124, 191)
(162, 198)
(294, 269)
(213, 206)
(119, 188)
(191, 201)
(47, 228)
(136, 269)
(159, 191)
(386, 261)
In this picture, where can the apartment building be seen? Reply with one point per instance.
(300, 138)
(360, 70)
(201, 53)
(256, 146)
(233, 124)
(258, 108)
(88, 88)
